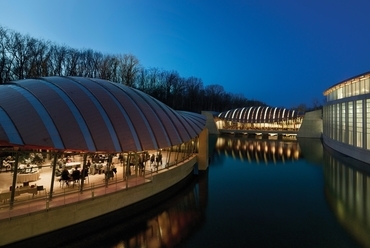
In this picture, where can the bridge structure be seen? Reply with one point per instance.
(259, 121)
(261, 133)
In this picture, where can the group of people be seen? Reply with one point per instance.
(99, 167)
(157, 159)
(75, 176)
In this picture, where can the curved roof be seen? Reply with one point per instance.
(85, 114)
(346, 82)
(258, 114)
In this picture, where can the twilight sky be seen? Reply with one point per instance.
(281, 52)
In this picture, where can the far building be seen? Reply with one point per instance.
(259, 118)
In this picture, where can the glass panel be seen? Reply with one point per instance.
(348, 90)
(340, 93)
(337, 124)
(359, 141)
(350, 123)
(367, 85)
(356, 88)
(343, 139)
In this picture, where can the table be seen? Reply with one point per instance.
(71, 165)
(21, 178)
(23, 168)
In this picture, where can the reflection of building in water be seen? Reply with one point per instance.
(258, 149)
(348, 193)
(173, 224)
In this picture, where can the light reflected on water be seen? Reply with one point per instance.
(173, 222)
(347, 189)
(260, 150)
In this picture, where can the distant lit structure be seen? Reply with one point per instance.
(259, 117)
(346, 117)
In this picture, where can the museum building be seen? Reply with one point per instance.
(259, 117)
(125, 145)
(346, 117)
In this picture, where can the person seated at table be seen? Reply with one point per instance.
(65, 176)
(76, 174)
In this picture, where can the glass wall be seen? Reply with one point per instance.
(346, 115)
(350, 123)
(353, 87)
(30, 175)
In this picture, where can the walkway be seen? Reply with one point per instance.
(27, 203)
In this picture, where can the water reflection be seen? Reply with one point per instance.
(175, 222)
(347, 189)
(260, 150)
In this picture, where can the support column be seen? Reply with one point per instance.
(53, 175)
(203, 151)
(15, 171)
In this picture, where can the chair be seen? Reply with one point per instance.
(64, 179)
(76, 177)
(40, 188)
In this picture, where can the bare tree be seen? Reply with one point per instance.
(5, 59)
(316, 103)
(39, 56)
(214, 94)
(72, 59)
(193, 94)
(18, 51)
(129, 66)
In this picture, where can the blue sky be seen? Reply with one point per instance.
(281, 52)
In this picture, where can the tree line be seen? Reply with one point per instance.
(23, 57)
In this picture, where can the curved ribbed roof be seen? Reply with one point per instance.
(258, 114)
(85, 114)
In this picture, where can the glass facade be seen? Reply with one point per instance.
(352, 87)
(27, 176)
(261, 117)
(346, 115)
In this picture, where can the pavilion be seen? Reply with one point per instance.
(53, 123)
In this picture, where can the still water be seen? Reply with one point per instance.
(256, 193)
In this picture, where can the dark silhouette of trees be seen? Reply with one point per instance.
(22, 56)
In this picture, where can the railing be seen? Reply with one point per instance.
(28, 204)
